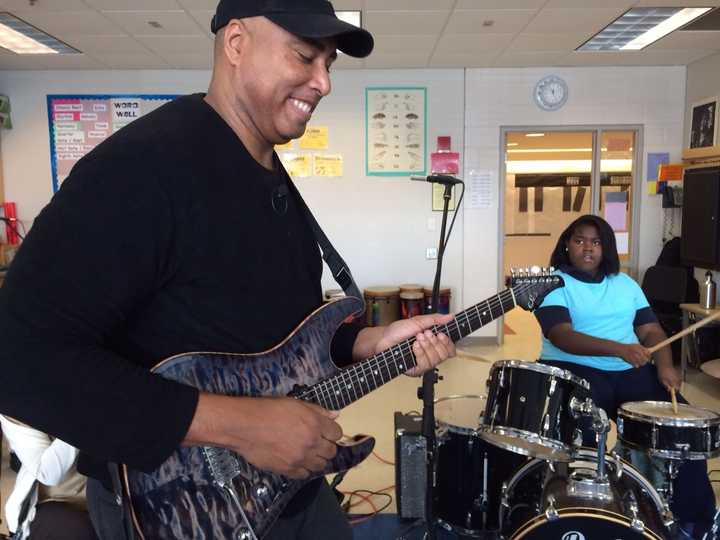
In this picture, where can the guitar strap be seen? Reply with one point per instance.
(122, 501)
(338, 267)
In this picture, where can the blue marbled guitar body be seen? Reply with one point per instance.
(208, 493)
(184, 499)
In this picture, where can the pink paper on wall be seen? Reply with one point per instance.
(615, 215)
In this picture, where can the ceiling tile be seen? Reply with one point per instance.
(74, 61)
(132, 5)
(199, 4)
(504, 20)
(584, 4)
(689, 40)
(409, 5)
(473, 43)
(636, 58)
(119, 44)
(172, 22)
(54, 5)
(484, 59)
(673, 3)
(203, 18)
(405, 22)
(530, 59)
(393, 60)
(132, 60)
(178, 44)
(347, 62)
(403, 44)
(548, 42)
(188, 61)
(557, 21)
(500, 4)
(10, 60)
(64, 23)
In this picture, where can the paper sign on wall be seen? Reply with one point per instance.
(330, 165)
(314, 138)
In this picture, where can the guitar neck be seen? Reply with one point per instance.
(358, 380)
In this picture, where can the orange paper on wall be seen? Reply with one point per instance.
(672, 172)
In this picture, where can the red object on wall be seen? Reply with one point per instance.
(11, 227)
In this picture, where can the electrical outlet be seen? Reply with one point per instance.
(431, 253)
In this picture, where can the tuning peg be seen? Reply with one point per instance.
(535, 270)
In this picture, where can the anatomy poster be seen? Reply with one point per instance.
(396, 131)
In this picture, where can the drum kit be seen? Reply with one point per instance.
(512, 466)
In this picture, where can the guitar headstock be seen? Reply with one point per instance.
(531, 285)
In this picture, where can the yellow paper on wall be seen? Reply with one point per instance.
(315, 138)
(297, 165)
(652, 188)
(328, 165)
(287, 146)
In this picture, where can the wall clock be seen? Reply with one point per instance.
(550, 93)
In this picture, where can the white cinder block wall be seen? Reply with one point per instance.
(380, 225)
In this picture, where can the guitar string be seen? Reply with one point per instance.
(339, 385)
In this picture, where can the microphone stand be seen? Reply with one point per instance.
(427, 391)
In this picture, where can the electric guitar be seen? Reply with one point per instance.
(213, 493)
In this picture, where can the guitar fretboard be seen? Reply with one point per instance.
(358, 380)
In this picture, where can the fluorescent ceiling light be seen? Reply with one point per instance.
(546, 150)
(639, 27)
(22, 38)
(352, 17)
(534, 134)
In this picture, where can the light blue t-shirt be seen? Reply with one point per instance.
(605, 310)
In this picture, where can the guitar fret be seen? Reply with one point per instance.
(333, 396)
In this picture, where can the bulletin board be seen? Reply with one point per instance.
(78, 123)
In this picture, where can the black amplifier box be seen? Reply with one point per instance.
(410, 468)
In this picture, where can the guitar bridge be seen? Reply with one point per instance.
(223, 465)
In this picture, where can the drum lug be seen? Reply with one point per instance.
(550, 512)
(505, 501)
(553, 383)
(708, 441)
(546, 424)
(620, 426)
(654, 437)
(577, 437)
(636, 523)
(618, 464)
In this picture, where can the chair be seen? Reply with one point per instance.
(666, 287)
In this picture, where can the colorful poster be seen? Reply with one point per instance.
(396, 131)
(314, 138)
(330, 165)
(654, 160)
(78, 123)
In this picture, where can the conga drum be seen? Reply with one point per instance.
(443, 306)
(382, 305)
(411, 304)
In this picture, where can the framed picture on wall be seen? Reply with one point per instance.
(704, 123)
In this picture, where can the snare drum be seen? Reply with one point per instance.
(692, 433)
(469, 471)
(528, 409)
(569, 503)
(382, 305)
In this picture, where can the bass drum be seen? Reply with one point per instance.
(569, 504)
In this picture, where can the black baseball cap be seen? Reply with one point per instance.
(314, 19)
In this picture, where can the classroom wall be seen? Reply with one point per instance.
(382, 226)
(652, 97)
(703, 81)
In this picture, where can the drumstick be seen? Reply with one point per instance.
(674, 400)
(684, 332)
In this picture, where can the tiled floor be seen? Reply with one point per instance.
(464, 375)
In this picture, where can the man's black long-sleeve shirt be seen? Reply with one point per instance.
(162, 240)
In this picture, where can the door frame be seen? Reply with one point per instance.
(597, 131)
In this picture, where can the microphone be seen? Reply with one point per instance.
(437, 179)
(279, 199)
